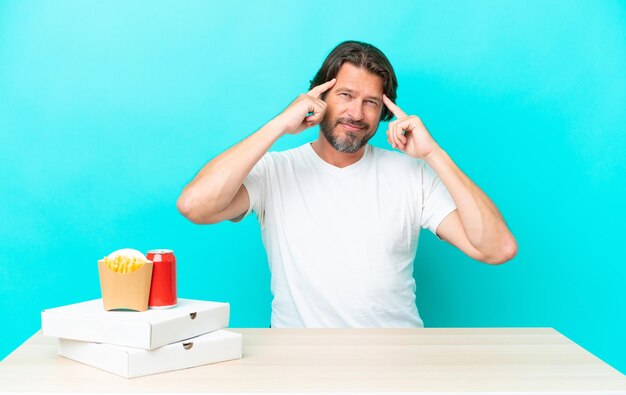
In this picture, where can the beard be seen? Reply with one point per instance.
(352, 141)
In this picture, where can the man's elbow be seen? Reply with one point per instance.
(185, 206)
(507, 252)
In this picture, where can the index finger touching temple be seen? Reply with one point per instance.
(395, 110)
(321, 88)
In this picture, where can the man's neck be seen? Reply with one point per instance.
(330, 155)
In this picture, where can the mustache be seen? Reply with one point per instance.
(352, 122)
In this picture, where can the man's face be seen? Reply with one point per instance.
(354, 105)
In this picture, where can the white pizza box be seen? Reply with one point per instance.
(88, 321)
(218, 346)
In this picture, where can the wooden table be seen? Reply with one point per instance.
(487, 360)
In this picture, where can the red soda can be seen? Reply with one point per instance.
(163, 288)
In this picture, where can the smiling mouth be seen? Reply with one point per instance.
(351, 128)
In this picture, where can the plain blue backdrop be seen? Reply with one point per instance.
(107, 109)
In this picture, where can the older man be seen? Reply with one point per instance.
(340, 218)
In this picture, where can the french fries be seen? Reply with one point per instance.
(123, 264)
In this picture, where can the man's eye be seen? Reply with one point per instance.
(344, 94)
(372, 103)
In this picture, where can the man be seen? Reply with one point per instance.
(340, 219)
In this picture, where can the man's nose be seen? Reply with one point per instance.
(355, 110)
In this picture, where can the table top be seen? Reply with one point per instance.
(417, 360)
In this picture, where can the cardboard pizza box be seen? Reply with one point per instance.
(131, 362)
(150, 329)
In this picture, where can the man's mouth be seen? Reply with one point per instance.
(351, 128)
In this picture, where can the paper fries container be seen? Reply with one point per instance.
(129, 291)
(130, 362)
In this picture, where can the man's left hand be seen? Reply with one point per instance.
(408, 133)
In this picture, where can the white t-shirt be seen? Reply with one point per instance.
(341, 241)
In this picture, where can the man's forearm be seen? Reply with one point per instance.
(483, 223)
(216, 184)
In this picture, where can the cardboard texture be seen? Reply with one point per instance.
(88, 321)
(130, 362)
(125, 290)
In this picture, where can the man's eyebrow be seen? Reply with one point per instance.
(342, 89)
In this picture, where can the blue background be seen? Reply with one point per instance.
(107, 109)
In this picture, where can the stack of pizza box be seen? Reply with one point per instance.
(132, 344)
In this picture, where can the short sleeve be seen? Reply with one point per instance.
(436, 200)
(256, 185)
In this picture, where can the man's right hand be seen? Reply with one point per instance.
(306, 111)
(217, 192)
